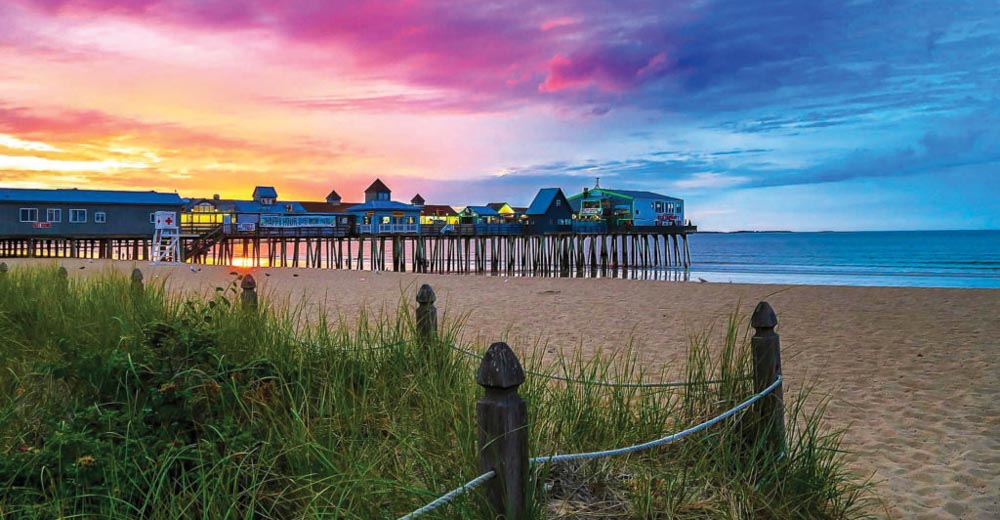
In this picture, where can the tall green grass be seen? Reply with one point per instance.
(116, 403)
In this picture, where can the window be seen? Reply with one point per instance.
(100, 217)
(29, 214)
(53, 215)
(385, 220)
(558, 202)
(77, 216)
(152, 218)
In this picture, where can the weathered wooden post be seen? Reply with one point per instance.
(3, 268)
(766, 346)
(249, 296)
(427, 320)
(137, 287)
(503, 432)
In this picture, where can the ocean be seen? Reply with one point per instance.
(878, 258)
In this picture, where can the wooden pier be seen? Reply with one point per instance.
(463, 251)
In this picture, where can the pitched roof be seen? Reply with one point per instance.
(378, 186)
(221, 205)
(438, 210)
(417, 199)
(252, 206)
(543, 200)
(635, 194)
(389, 205)
(326, 207)
(74, 195)
(498, 205)
(482, 211)
(265, 191)
(638, 194)
(333, 195)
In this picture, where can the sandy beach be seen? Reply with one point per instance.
(913, 372)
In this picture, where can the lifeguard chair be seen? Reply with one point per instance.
(166, 246)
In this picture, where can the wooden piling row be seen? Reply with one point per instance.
(567, 254)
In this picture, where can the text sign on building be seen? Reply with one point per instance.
(284, 221)
(165, 219)
(42, 225)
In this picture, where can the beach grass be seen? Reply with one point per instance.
(117, 402)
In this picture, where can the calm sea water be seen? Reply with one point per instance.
(897, 258)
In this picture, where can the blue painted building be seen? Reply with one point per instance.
(549, 212)
(627, 207)
(82, 213)
(380, 214)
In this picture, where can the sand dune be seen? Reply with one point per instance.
(912, 371)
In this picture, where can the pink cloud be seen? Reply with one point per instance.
(602, 70)
(509, 51)
(554, 23)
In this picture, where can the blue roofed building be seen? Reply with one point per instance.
(380, 214)
(549, 212)
(202, 215)
(627, 207)
(479, 215)
(74, 213)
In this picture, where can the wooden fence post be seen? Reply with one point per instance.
(249, 297)
(503, 432)
(427, 320)
(137, 287)
(766, 347)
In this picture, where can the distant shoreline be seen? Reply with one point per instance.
(750, 231)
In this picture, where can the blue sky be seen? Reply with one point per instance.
(801, 115)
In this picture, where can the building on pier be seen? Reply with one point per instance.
(332, 204)
(380, 214)
(507, 212)
(432, 214)
(201, 215)
(480, 215)
(82, 213)
(627, 207)
(549, 212)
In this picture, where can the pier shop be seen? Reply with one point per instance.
(627, 207)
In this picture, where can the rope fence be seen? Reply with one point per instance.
(663, 440)
(613, 384)
(451, 495)
(502, 414)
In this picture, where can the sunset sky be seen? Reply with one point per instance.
(802, 115)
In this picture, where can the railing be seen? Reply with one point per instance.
(368, 229)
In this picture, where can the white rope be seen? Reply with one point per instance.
(476, 482)
(663, 440)
(451, 495)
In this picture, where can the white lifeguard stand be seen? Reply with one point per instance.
(166, 246)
